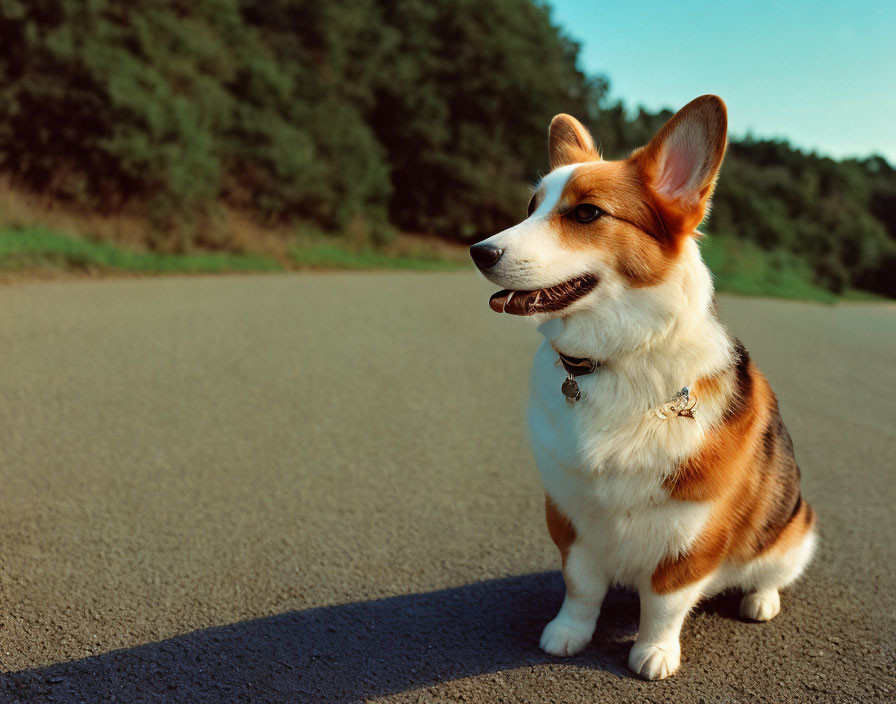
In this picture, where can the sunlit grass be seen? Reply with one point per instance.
(744, 268)
(321, 255)
(314, 249)
(27, 249)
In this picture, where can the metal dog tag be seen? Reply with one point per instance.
(570, 389)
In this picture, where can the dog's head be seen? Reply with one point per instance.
(599, 231)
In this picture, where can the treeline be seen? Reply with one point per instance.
(362, 116)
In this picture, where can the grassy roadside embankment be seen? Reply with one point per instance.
(35, 250)
(39, 251)
(742, 267)
(738, 267)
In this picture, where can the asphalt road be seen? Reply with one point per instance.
(317, 488)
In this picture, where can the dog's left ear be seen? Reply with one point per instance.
(682, 161)
(569, 142)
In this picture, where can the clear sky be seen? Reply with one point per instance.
(822, 73)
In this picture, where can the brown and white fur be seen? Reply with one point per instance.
(678, 509)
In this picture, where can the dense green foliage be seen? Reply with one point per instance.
(361, 115)
(340, 112)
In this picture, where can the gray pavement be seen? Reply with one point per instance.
(317, 488)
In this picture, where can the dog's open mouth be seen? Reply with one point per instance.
(544, 300)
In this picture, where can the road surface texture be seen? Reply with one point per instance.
(317, 488)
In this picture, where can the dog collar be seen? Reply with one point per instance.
(575, 366)
(681, 404)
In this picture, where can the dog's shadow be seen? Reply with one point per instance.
(344, 653)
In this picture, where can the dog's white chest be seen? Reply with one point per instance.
(611, 427)
(603, 461)
(552, 423)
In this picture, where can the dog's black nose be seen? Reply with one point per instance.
(485, 256)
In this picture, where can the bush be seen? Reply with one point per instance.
(364, 115)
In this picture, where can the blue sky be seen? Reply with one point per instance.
(822, 74)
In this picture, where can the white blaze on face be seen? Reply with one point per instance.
(533, 257)
(552, 185)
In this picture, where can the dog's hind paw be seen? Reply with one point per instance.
(761, 606)
(654, 662)
(564, 638)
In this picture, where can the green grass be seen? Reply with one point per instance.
(744, 268)
(854, 294)
(24, 249)
(327, 255)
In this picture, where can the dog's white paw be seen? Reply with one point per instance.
(564, 638)
(761, 606)
(654, 662)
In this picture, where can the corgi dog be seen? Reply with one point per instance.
(665, 463)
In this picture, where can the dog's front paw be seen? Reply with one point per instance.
(761, 606)
(654, 662)
(564, 638)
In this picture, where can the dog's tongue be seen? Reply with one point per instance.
(513, 302)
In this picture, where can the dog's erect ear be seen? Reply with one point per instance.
(682, 161)
(569, 142)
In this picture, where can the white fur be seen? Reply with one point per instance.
(657, 653)
(532, 257)
(573, 627)
(761, 606)
(603, 460)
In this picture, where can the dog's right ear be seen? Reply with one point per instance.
(681, 163)
(569, 142)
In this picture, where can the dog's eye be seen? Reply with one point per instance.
(586, 212)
